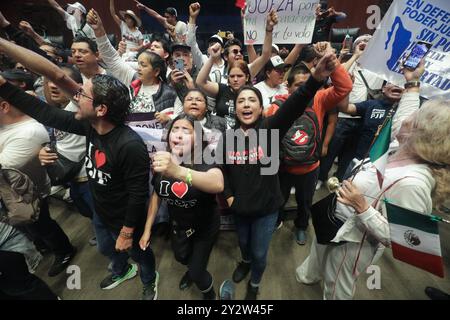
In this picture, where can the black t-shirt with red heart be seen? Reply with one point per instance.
(188, 206)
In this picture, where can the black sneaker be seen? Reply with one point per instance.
(252, 292)
(61, 262)
(150, 291)
(185, 281)
(241, 271)
(209, 295)
(436, 294)
(112, 281)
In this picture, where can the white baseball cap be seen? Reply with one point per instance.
(278, 62)
(72, 6)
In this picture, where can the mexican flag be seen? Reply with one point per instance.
(415, 239)
(378, 154)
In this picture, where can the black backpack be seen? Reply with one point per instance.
(302, 144)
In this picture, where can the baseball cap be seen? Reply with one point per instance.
(172, 11)
(19, 75)
(180, 45)
(277, 62)
(216, 38)
(72, 6)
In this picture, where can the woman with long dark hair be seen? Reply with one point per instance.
(189, 186)
(252, 188)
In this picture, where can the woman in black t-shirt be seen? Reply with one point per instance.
(238, 76)
(189, 187)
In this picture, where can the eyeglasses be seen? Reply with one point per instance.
(195, 99)
(236, 51)
(81, 93)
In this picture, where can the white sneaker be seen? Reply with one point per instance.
(67, 197)
(319, 184)
(55, 189)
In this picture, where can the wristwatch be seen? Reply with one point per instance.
(412, 84)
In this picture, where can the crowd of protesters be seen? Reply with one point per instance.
(272, 123)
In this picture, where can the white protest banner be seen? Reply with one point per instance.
(406, 23)
(296, 20)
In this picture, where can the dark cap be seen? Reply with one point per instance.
(19, 75)
(180, 45)
(172, 11)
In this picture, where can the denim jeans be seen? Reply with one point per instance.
(13, 240)
(343, 144)
(106, 244)
(254, 235)
(82, 198)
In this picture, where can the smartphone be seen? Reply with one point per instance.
(179, 64)
(418, 52)
(52, 146)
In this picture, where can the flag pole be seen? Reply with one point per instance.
(380, 127)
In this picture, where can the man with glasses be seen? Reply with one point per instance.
(117, 162)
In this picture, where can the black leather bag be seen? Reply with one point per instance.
(63, 170)
(325, 223)
(182, 244)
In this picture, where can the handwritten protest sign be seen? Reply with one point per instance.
(406, 23)
(296, 20)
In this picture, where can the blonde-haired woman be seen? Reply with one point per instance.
(417, 177)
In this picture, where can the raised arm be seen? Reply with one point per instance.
(297, 102)
(410, 101)
(21, 38)
(110, 56)
(39, 65)
(152, 13)
(197, 56)
(358, 52)
(293, 55)
(260, 62)
(28, 29)
(57, 7)
(209, 87)
(112, 9)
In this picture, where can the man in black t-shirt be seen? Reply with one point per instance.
(117, 162)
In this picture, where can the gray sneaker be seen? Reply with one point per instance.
(226, 291)
(300, 236)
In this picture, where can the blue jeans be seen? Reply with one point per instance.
(82, 198)
(13, 240)
(106, 244)
(254, 235)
